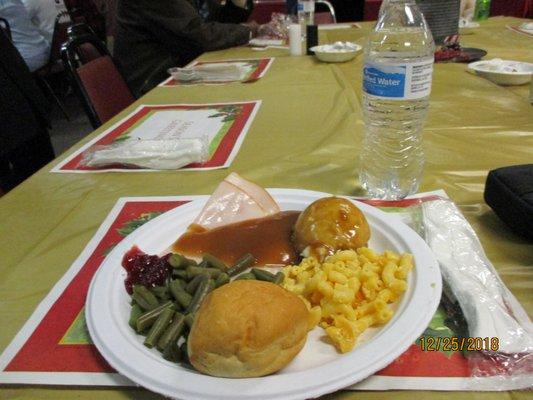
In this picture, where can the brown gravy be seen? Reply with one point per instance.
(268, 239)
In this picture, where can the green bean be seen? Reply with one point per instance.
(158, 327)
(213, 272)
(222, 279)
(161, 292)
(193, 284)
(182, 297)
(173, 331)
(136, 312)
(178, 261)
(144, 298)
(214, 262)
(242, 263)
(189, 320)
(174, 286)
(172, 352)
(179, 273)
(147, 319)
(263, 275)
(194, 271)
(177, 283)
(203, 264)
(245, 276)
(202, 290)
(280, 277)
(211, 285)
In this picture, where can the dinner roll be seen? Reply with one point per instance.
(247, 328)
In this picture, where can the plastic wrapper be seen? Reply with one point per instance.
(278, 27)
(489, 308)
(151, 154)
(217, 72)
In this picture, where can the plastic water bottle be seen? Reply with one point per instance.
(396, 85)
(482, 10)
(382, 7)
(306, 12)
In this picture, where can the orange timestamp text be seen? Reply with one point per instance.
(437, 343)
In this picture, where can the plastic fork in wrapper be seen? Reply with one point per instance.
(475, 294)
(164, 154)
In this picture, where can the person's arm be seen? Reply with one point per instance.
(177, 24)
(234, 11)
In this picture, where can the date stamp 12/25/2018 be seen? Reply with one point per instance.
(437, 343)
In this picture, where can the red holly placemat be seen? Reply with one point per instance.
(223, 125)
(257, 68)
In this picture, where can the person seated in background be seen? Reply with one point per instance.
(345, 10)
(152, 36)
(24, 141)
(467, 9)
(43, 15)
(32, 46)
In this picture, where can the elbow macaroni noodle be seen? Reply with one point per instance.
(350, 291)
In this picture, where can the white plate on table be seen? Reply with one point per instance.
(317, 370)
(325, 53)
(498, 71)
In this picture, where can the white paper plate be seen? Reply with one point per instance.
(323, 53)
(493, 71)
(317, 370)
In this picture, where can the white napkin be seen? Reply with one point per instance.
(151, 154)
(489, 307)
(260, 42)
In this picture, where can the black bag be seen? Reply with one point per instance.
(509, 192)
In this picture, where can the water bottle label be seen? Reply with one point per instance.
(398, 81)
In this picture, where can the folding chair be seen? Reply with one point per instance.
(4, 27)
(327, 17)
(98, 82)
(55, 65)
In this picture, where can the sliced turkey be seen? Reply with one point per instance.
(234, 200)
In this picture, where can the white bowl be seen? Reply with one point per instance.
(323, 54)
(494, 72)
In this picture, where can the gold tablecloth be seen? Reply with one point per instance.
(307, 134)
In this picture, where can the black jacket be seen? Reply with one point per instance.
(154, 35)
(23, 108)
(24, 142)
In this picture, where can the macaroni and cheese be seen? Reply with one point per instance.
(350, 290)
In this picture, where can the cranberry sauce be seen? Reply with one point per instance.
(144, 269)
